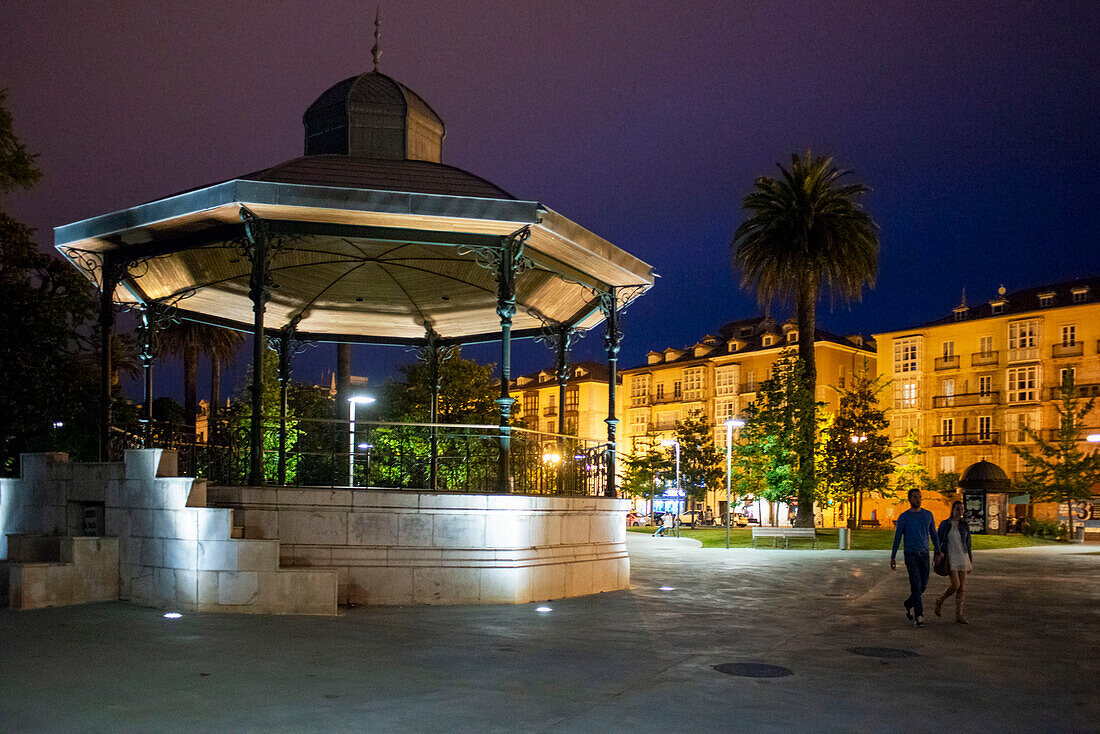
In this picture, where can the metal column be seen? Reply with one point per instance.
(610, 306)
(257, 247)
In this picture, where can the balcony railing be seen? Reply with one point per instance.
(636, 400)
(666, 399)
(1068, 350)
(947, 363)
(965, 399)
(966, 439)
(1023, 354)
(550, 410)
(748, 387)
(1084, 390)
(978, 359)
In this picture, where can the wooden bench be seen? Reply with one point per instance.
(869, 523)
(786, 534)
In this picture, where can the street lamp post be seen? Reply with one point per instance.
(857, 504)
(679, 489)
(730, 425)
(352, 402)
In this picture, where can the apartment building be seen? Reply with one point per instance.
(719, 375)
(538, 405)
(969, 382)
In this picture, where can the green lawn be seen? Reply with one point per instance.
(828, 538)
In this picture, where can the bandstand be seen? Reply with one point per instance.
(368, 238)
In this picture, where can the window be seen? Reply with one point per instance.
(746, 331)
(693, 383)
(1019, 423)
(907, 354)
(905, 393)
(551, 403)
(1064, 373)
(985, 346)
(1069, 335)
(1080, 294)
(767, 340)
(571, 426)
(572, 399)
(947, 464)
(660, 391)
(1047, 299)
(1023, 340)
(677, 390)
(551, 427)
(1023, 384)
(792, 336)
(997, 308)
(531, 403)
(903, 423)
(750, 381)
(840, 377)
(948, 349)
(725, 380)
(985, 385)
(947, 429)
(985, 427)
(638, 418)
(724, 410)
(948, 388)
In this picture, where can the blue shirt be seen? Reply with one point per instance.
(916, 527)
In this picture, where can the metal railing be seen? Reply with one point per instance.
(326, 453)
(966, 439)
(1085, 390)
(947, 363)
(977, 359)
(1068, 350)
(962, 400)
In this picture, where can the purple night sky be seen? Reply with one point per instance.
(974, 123)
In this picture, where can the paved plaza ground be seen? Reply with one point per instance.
(639, 660)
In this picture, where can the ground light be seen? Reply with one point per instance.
(667, 588)
(172, 615)
(543, 609)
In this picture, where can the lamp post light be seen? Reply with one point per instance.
(856, 503)
(674, 442)
(730, 425)
(352, 402)
(1093, 438)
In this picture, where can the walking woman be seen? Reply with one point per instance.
(954, 535)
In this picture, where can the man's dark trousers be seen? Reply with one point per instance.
(916, 564)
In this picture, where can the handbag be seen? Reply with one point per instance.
(940, 567)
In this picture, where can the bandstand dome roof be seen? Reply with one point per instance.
(984, 476)
(376, 240)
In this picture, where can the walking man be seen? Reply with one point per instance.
(917, 526)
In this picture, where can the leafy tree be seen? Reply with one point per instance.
(910, 472)
(468, 393)
(700, 461)
(945, 483)
(806, 230)
(641, 469)
(1059, 470)
(858, 458)
(767, 454)
(46, 313)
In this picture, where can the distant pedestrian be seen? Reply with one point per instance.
(954, 535)
(665, 526)
(916, 526)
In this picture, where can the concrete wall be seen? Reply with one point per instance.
(170, 554)
(411, 547)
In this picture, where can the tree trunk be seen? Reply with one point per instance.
(807, 324)
(215, 396)
(190, 391)
(343, 378)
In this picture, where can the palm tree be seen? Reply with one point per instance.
(806, 230)
(188, 340)
(221, 347)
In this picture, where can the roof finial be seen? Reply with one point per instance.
(963, 303)
(375, 51)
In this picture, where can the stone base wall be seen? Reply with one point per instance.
(171, 554)
(414, 547)
(52, 571)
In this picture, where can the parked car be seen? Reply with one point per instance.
(741, 520)
(636, 519)
(685, 519)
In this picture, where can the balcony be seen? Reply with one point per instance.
(1084, 390)
(663, 399)
(979, 359)
(966, 399)
(947, 363)
(1023, 354)
(966, 439)
(571, 411)
(1068, 350)
(748, 387)
(550, 410)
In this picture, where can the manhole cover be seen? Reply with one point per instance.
(882, 652)
(752, 670)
